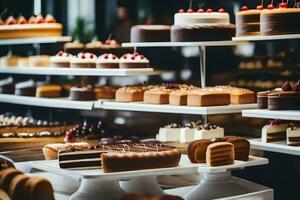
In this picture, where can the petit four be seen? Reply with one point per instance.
(107, 61)
(134, 60)
(275, 131)
(48, 91)
(169, 133)
(293, 136)
(61, 59)
(157, 96)
(150, 33)
(178, 97)
(187, 132)
(208, 132)
(82, 93)
(130, 94)
(220, 153)
(83, 60)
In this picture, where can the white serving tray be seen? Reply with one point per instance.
(78, 71)
(140, 106)
(273, 114)
(266, 38)
(35, 40)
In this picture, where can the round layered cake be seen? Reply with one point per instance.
(84, 60)
(134, 60)
(150, 33)
(280, 21)
(201, 26)
(107, 61)
(248, 22)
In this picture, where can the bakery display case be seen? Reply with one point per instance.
(132, 106)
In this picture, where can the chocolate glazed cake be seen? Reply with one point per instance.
(82, 94)
(248, 22)
(280, 21)
(150, 33)
(202, 32)
(284, 101)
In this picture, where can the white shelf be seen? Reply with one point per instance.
(279, 147)
(265, 38)
(78, 71)
(35, 40)
(139, 106)
(47, 102)
(273, 114)
(184, 44)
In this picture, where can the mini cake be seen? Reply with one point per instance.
(178, 97)
(238, 95)
(208, 132)
(150, 33)
(157, 96)
(275, 131)
(26, 88)
(7, 86)
(248, 22)
(83, 60)
(197, 150)
(9, 61)
(82, 94)
(107, 61)
(105, 92)
(293, 136)
(187, 132)
(61, 59)
(287, 99)
(130, 94)
(134, 60)
(35, 27)
(280, 21)
(201, 26)
(48, 91)
(241, 147)
(206, 98)
(39, 61)
(169, 133)
(220, 153)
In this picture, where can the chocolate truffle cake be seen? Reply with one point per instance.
(150, 33)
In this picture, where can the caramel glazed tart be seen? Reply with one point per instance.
(119, 157)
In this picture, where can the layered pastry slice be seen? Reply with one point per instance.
(197, 150)
(293, 136)
(220, 153)
(169, 133)
(208, 131)
(248, 22)
(187, 132)
(275, 131)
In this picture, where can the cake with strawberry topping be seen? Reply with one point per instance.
(248, 21)
(201, 25)
(134, 60)
(61, 59)
(275, 131)
(280, 21)
(83, 60)
(107, 61)
(33, 27)
(287, 99)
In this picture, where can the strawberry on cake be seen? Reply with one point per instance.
(84, 60)
(134, 60)
(107, 61)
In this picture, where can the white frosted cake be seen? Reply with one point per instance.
(107, 61)
(208, 132)
(169, 133)
(134, 60)
(61, 59)
(201, 18)
(293, 136)
(84, 60)
(275, 131)
(188, 131)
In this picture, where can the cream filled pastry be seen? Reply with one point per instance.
(61, 59)
(84, 60)
(275, 131)
(134, 60)
(107, 61)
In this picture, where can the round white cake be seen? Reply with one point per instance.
(201, 18)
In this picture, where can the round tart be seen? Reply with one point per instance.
(107, 61)
(134, 60)
(84, 60)
(61, 59)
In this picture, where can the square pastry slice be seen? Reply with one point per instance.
(208, 131)
(293, 136)
(275, 131)
(207, 98)
(187, 132)
(169, 133)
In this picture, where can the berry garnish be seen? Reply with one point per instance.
(181, 11)
(270, 7)
(60, 53)
(107, 42)
(244, 8)
(141, 56)
(105, 56)
(200, 10)
(221, 10)
(275, 122)
(296, 87)
(209, 10)
(92, 55)
(190, 10)
(82, 56)
(125, 57)
(283, 5)
(132, 58)
(114, 57)
(286, 86)
(135, 54)
(260, 7)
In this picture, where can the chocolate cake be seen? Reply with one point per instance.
(150, 33)
(7, 86)
(82, 94)
(26, 88)
(262, 99)
(247, 22)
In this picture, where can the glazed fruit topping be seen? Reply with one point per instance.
(39, 19)
(200, 10)
(260, 7)
(221, 10)
(181, 11)
(283, 5)
(10, 20)
(244, 8)
(275, 122)
(270, 7)
(286, 86)
(209, 10)
(60, 53)
(190, 10)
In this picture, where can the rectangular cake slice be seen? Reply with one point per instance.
(293, 136)
(208, 132)
(220, 153)
(276, 131)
